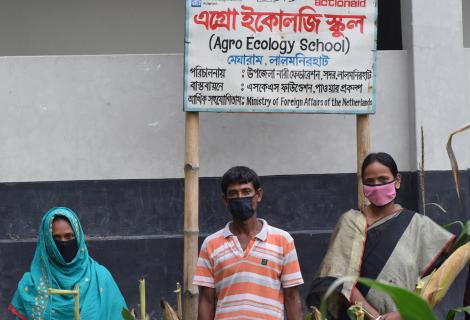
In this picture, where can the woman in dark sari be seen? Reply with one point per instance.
(382, 241)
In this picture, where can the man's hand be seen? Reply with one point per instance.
(206, 309)
(391, 316)
(293, 303)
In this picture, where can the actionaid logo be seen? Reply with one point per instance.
(341, 3)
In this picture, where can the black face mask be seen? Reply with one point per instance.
(68, 249)
(241, 208)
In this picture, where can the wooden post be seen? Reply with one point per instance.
(363, 149)
(191, 213)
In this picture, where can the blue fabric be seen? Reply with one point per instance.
(100, 298)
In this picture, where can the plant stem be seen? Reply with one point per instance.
(142, 299)
(422, 186)
(77, 302)
(76, 297)
(60, 292)
(180, 304)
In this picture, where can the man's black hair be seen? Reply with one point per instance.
(238, 175)
(383, 158)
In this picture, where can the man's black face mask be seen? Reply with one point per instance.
(241, 208)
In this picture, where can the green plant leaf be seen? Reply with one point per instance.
(410, 305)
(126, 315)
(463, 236)
(451, 314)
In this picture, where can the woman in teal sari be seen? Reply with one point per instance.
(61, 261)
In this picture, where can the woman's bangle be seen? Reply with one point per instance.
(379, 317)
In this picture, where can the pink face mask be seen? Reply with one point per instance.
(380, 195)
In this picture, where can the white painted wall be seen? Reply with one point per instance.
(437, 78)
(62, 27)
(462, 150)
(58, 27)
(120, 117)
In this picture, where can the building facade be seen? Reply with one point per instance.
(91, 118)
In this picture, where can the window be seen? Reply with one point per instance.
(389, 25)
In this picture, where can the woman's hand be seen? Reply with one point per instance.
(391, 316)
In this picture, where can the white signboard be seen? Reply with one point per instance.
(280, 56)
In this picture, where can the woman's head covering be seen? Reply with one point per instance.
(100, 297)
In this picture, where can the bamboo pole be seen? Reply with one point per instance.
(363, 149)
(143, 313)
(191, 214)
(76, 296)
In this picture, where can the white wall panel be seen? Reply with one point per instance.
(120, 117)
(60, 27)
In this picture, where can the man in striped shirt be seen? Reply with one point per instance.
(249, 269)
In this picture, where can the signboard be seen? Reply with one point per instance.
(305, 56)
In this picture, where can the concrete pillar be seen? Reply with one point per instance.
(432, 35)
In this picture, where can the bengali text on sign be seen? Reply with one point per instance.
(280, 56)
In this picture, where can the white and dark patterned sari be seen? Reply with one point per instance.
(398, 249)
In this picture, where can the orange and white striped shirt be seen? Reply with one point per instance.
(248, 283)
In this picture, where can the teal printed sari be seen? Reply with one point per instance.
(100, 298)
